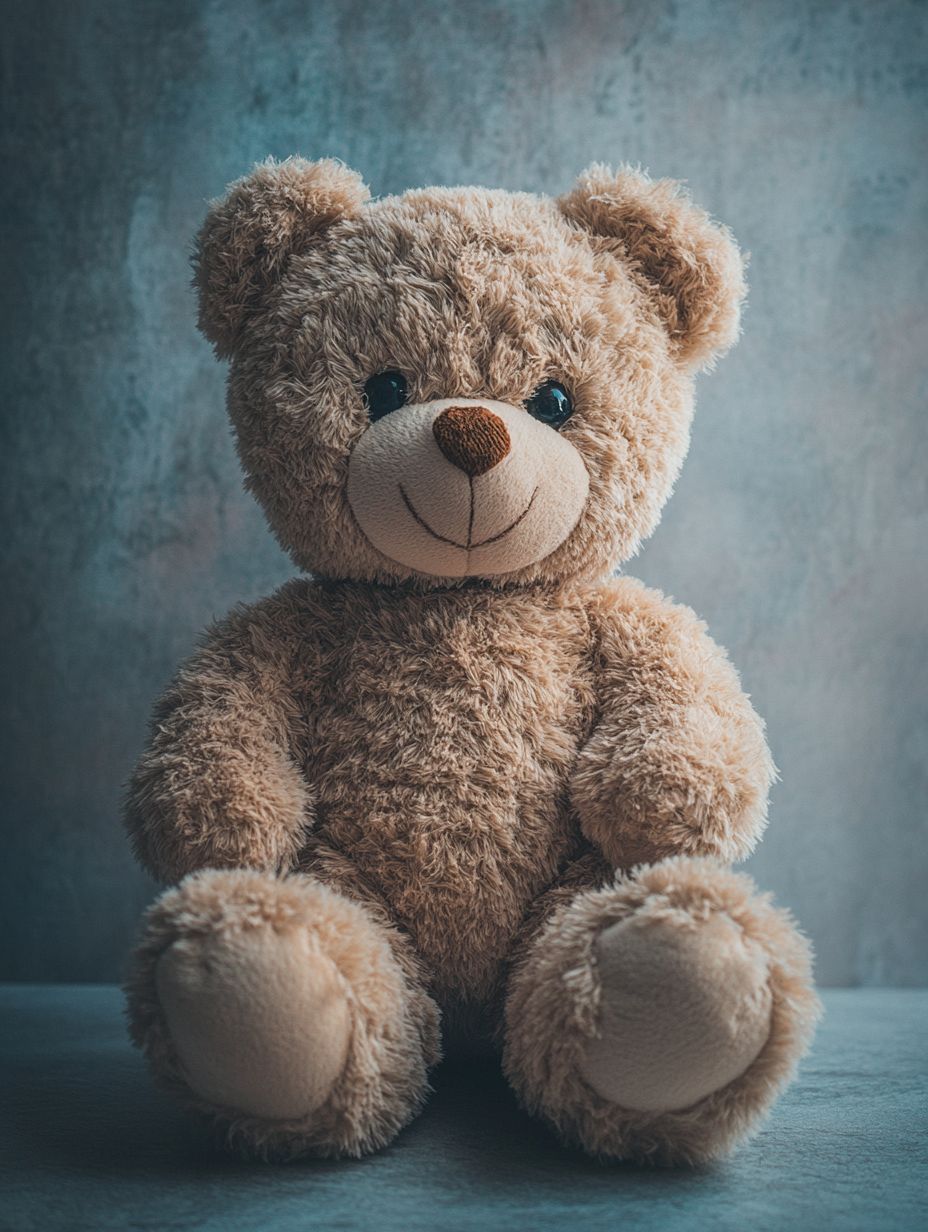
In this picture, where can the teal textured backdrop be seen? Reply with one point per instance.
(798, 529)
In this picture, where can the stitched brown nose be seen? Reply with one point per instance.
(472, 437)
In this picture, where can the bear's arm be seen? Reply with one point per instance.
(676, 762)
(218, 785)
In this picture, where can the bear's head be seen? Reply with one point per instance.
(460, 383)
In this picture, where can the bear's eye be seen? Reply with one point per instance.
(551, 404)
(385, 392)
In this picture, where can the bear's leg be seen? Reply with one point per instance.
(658, 1017)
(281, 1008)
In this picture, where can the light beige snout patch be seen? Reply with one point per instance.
(419, 508)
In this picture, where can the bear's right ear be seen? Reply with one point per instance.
(249, 234)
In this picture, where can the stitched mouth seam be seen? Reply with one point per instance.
(469, 546)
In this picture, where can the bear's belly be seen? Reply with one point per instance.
(439, 758)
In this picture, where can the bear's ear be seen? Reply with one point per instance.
(690, 264)
(249, 234)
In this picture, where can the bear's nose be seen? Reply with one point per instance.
(472, 437)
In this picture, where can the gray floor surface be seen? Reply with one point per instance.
(88, 1144)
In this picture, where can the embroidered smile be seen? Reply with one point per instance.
(469, 546)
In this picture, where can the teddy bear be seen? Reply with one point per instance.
(461, 785)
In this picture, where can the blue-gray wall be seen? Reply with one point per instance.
(798, 528)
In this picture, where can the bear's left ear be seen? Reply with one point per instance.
(248, 236)
(691, 265)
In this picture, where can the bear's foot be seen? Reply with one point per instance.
(278, 1007)
(684, 1009)
(658, 1018)
(259, 1018)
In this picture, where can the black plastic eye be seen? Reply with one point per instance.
(551, 404)
(384, 393)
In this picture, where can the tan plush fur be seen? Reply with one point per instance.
(415, 777)
(556, 990)
(224, 919)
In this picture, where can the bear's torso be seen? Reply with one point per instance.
(438, 732)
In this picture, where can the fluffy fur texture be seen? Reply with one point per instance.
(694, 777)
(387, 1028)
(470, 294)
(250, 236)
(553, 1012)
(691, 267)
(415, 777)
